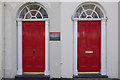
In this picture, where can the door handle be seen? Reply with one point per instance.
(33, 51)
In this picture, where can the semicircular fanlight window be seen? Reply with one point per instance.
(88, 11)
(33, 11)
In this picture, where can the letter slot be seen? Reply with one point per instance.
(88, 52)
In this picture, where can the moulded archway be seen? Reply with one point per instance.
(96, 10)
(32, 12)
(90, 11)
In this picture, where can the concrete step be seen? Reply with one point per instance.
(79, 77)
(90, 76)
(84, 79)
(32, 77)
(95, 79)
(62, 79)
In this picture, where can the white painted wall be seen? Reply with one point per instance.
(61, 52)
(10, 42)
(67, 10)
(112, 38)
(55, 46)
(1, 39)
(119, 39)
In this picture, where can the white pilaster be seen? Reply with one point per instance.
(19, 71)
(46, 47)
(75, 48)
(103, 47)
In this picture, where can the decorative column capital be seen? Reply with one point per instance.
(75, 22)
(19, 20)
(104, 19)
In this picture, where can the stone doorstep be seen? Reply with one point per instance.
(96, 79)
(32, 77)
(7, 79)
(90, 76)
(71, 79)
(84, 79)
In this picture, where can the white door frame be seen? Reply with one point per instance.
(20, 68)
(103, 70)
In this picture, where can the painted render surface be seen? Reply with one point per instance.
(118, 39)
(1, 39)
(61, 52)
(1, 49)
(112, 38)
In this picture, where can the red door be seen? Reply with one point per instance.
(33, 46)
(89, 46)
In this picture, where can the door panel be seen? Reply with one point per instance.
(33, 46)
(89, 46)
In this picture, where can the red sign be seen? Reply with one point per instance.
(54, 32)
(54, 36)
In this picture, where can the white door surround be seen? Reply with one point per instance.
(81, 15)
(28, 16)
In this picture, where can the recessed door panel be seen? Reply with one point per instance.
(33, 46)
(89, 46)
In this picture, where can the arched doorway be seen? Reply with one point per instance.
(33, 40)
(89, 39)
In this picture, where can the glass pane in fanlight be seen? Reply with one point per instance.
(44, 13)
(33, 13)
(39, 16)
(88, 6)
(33, 17)
(78, 12)
(99, 12)
(88, 12)
(89, 17)
(33, 7)
(83, 15)
(94, 15)
(28, 16)
(22, 14)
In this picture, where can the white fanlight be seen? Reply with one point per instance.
(89, 11)
(33, 11)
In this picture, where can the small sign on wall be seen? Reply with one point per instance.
(54, 36)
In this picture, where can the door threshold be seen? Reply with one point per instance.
(33, 73)
(32, 77)
(90, 76)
